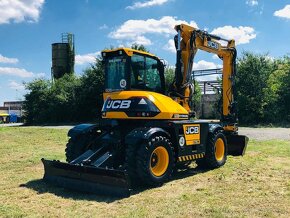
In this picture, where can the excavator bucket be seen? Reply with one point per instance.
(87, 178)
(237, 144)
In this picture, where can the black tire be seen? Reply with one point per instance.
(216, 152)
(77, 146)
(155, 161)
(130, 164)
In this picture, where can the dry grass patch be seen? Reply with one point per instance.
(255, 185)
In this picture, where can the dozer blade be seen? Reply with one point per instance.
(87, 178)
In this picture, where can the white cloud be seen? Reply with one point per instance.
(15, 85)
(134, 31)
(18, 10)
(284, 13)
(254, 6)
(7, 60)
(39, 75)
(103, 27)
(252, 3)
(86, 58)
(215, 57)
(203, 65)
(241, 34)
(146, 4)
(141, 40)
(170, 46)
(12, 71)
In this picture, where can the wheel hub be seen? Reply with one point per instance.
(154, 160)
(159, 161)
(219, 149)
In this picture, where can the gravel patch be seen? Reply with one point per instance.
(265, 133)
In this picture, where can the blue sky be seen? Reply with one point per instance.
(28, 27)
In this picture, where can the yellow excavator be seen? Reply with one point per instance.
(147, 131)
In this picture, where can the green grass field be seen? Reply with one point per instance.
(256, 185)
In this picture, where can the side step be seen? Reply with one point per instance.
(87, 178)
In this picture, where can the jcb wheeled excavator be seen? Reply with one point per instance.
(145, 131)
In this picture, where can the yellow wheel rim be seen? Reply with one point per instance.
(219, 149)
(159, 161)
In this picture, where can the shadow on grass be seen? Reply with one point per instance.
(187, 171)
(41, 187)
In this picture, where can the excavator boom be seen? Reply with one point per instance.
(188, 41)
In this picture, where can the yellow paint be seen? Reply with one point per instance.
(233, 128)
(161, 158)
(190, 157)
(201, 43)
(166, 105)
(192, 134)
(219, 149)
(129, 51)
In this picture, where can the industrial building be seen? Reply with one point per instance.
(11, 112)
(210, 89)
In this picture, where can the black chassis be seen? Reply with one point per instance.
(119, 133)
(102, 167)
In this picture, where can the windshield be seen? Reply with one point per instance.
(144, 73)
(115, 73)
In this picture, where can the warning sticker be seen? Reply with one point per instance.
(123, 83)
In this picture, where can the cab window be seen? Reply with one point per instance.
(115, 73)
(144, 73)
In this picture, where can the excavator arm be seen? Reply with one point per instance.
(187, 42)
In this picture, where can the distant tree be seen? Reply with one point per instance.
(169, 76)
(251, 84)
(63, 98)
(273, 109)
(90, 93)
(48, 102)
(36, 104)
(139, 47)
(67, 99)
(284, 89)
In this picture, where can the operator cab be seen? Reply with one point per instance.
(129, 69)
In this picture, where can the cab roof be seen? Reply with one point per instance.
(129, 51)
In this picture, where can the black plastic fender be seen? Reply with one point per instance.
(214, 127)
(143, 134)
(81, 129)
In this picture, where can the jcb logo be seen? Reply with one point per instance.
(192, 134)
(192, 130)
(213, 45)
(116, 104)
